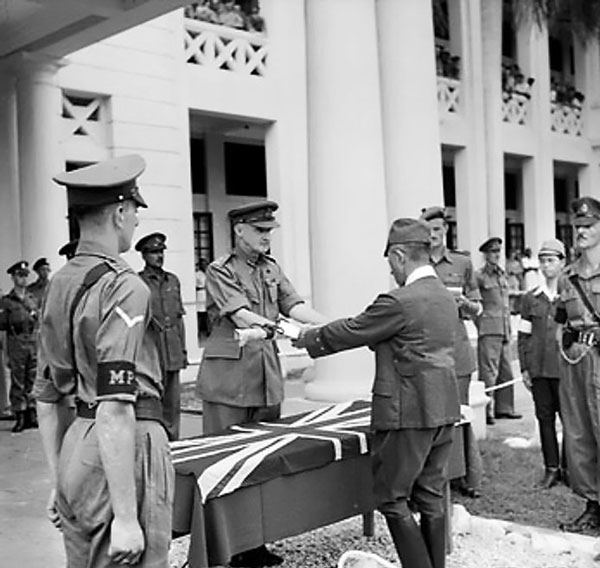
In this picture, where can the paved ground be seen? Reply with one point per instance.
(27, 539)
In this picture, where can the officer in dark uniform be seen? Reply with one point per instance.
(247, 289)
(167, 310)
(493, 328)
(112, 471)
(19, 318)
(69, 249)
(415, 394)
(455, 270)
(580, 361)
(42, 268)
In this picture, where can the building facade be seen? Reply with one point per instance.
(349, 113)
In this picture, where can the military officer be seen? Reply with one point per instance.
(579, 285)
(112, 471)
(247, 289)
(19, 318)
(42, 268)
(455, 270)
(415, 394)
(167, 310)
(493, 328)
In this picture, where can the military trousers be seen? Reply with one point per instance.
(410, 465)
(545, 391)
(83, 500)
(493, 359)
(171, 403)
(22, 359)
(217, 417)
(579, 390)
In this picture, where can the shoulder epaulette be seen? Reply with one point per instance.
(222, 260)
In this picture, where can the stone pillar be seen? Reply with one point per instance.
(348, 220)
(538, 171)
(411, 132)
(10, 236)
(44, 227)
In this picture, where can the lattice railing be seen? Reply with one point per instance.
(448, 94)
(515, 108)
(85, 117)
(566, 119)
(220, 47)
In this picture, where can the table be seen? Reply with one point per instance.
(319, 473)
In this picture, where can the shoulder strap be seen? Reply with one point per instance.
(574, 279)
(89, 280)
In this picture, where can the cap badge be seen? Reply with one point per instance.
(583, 210)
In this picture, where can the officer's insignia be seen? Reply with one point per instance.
(583, 210)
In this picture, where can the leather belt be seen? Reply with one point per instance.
(145, 409)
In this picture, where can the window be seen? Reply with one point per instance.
(511, 191)
(451, 235)
(515, 237)
(564, 233)
(203, 237)
(245, 170)
(198, 165)
(561, 195)
(556, 54)
(449, 183)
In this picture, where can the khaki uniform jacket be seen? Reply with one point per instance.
(570, 309)
(493, 287)
(455, 270)
(411, 330)
(248, 376)
(19, 316)
(168, 311)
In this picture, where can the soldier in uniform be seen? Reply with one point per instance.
(19, 318)
(42, 268)
(167, 310)
(579, 331)
(493, 327)
(415, 394)
(247, 289)
(112, 470)
(455, 270)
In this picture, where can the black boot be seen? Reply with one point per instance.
(31, 420)
(552, 477)
(409, 542)
(589, 520)
(20, 423)
(433, 530)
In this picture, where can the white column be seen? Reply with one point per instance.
(470, 161)
(348, 217)
(44, 227)
(538, 171)
(411, 132)
(491, 30)
(10, 237)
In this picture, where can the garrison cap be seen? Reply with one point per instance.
(586, 211)
(151, 243)
(40, 262)
(407, 231)
(492, 244)
(434, 212)
(69, 249)
(259, 214)
(21, 266)
(552, 247)
(104, 183)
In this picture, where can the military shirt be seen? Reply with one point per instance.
(538, 354)
(250, 375)
(19, 316)
(38, 289)
(493, 287)
(570, 304)
(167, 308)
(113, 343)
(455, 270)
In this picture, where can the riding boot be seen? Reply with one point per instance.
(409, 542)
(433, 530)
(20, 423)
(31, 420)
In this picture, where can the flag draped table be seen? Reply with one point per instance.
(256, 483)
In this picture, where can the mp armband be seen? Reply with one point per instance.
(116, 377)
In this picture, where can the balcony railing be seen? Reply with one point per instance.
(515, 108)
(228, 49)
(566, 119)
(448, 94)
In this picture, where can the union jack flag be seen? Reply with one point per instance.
(251, 454)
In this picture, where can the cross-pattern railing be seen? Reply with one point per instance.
(448, 94)
(220, 47)
(86, 117)
(515, 107)
(566, 119)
